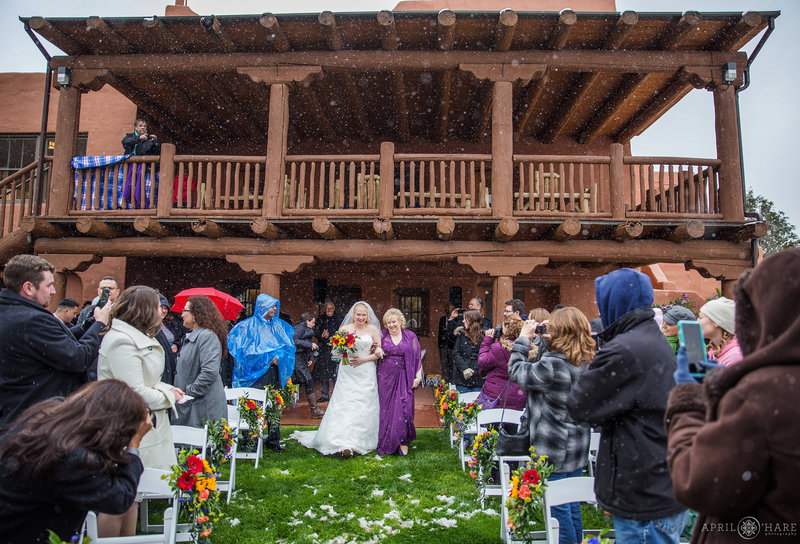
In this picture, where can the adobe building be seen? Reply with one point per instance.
(399, 157)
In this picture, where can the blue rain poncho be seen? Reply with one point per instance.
(254, 342)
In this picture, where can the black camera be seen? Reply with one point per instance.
(498, 332)
(153, 418)
(461, 311)
(540, 329)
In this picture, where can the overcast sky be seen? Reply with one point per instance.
(769, 107)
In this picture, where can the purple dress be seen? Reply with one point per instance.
(396, 373)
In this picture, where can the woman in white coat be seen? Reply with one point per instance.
(129, 352)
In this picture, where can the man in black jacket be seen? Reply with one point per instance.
(40, 357)
(624, 393)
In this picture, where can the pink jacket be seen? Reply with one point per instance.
(730, 354)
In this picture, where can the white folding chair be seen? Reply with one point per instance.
(564, 491)
(497, 416)
(233, 423)
(464, 398)
(257, 395)
(195, 437)
(151, 482)
(505, 489)
(594, 445)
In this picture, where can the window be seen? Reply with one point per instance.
(414, 305)
(19, 150)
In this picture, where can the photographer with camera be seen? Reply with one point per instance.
(465, 353)
(107, 293)
(498, 391)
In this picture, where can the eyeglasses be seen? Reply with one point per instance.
(186, 310)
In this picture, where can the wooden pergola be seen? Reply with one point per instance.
(500, 130)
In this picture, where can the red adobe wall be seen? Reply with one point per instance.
(106, 114)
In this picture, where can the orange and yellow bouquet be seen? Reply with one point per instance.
(289, 392)
(220, 437)
(448, 406)
(524, 501)
(194, 482)
(482, 460)
(274, 407)
(464, 416)
(343, 343)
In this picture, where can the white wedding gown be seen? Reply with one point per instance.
(351, 420)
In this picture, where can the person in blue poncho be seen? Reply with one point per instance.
(263, 349)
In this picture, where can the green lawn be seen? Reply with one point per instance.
(301, 496)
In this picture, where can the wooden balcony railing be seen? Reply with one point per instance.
(666, 186)
(340, 185)
(560, 185)
(16, 195)
(442, 185)
(547, 187)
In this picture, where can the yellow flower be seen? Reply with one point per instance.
(206, 466)
(201, 483)
(211, 483)
(527, 499)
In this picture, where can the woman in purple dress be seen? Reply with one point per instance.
(399, 373)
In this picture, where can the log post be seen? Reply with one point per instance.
(503, 291)
(502, 149)
(166, 177)
(271, 285)
(690, 230)
(617, 174)
(209, 228)
(41, 228)
(383, 228)
(276, 149)
(326, 229)
(628, 230)
(731, 184)
(61, 178)
(386, 188)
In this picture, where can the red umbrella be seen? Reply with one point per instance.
(227, 305)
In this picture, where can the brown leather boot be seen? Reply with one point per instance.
(316, 411)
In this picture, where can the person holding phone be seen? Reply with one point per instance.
(733, 441)
(717, 319)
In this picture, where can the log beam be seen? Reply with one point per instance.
(209, 228)
(162, 34)
(609, 108)
(744, 232)
(504, 32)
(568, 229)
(213, 27)
(14, 244)
(628, 231)
(444, 104)
(95, 227)
(358, 105)
(326, 229)
(54, 36)
(445, 226)
(691, 230)
(506, 229)
(566, 22)
(109, 36)
(310, 99)
(139, 97)
(503, 266)
(726, 271)
(266, 229)
(327, 20)
(446, 29)
(383, 228)
(262, 264)
(733, 36)
(40, 228)
(682, 28)
(532, 93)
(401, 112)
(151, 227)
(676, 87)
(634, 251)
(242, 119)
(389, 38)
(274, 32)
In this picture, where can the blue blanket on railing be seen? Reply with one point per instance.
(96, 174)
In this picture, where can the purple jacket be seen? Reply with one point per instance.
(493, 361)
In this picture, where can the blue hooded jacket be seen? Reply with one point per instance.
(254, 342)
(620, 292)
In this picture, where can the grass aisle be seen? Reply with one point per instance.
(301, 496)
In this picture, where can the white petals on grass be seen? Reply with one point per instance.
(377, 492)
(310, 514)
(405, 477)
(234, 522)
(446, 499)
(444, 522)
(286, 472)
(329, 509)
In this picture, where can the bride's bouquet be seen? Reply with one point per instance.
(343, 343)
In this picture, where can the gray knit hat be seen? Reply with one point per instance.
(676, 313)
(722, 312)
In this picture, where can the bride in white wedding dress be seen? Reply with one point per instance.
(350, 424)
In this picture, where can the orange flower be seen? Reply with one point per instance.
(203, 494)
(524, 491)
(205, 533)
(202, 519)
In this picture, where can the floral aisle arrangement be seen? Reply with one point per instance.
(464, 416)
(220, 437)
(599, 539)
(344, 343)
(482, 460)
(289, 392)
(441, 389)
(448, 406)
(194, 481)
(525, 500)
(253, 415)
(274, 407)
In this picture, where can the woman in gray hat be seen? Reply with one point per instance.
(669, 323)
